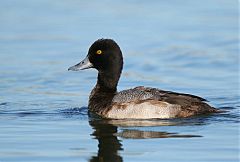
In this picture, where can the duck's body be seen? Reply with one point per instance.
(146, 103)
(137, 103)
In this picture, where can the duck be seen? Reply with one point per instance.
(140, 102)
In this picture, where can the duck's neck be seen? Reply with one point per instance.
(104, 91)
(107, 81)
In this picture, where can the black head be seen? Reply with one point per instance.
(105, 56)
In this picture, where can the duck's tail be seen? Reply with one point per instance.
(215, 110)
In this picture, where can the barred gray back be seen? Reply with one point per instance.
(138, 93)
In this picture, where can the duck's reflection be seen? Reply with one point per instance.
(106, 132)
(108, 144)
(137, 134)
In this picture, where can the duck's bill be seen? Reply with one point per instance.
(84, 64)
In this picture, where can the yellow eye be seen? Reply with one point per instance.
(99, 52)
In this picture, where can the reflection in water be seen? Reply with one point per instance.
(106, 132)
(108, 144)
(200, 120)
(137, 134)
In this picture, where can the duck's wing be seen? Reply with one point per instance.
(144, 93)
(190, 104)
(135, 94)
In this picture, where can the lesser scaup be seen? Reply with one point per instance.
(138, 103)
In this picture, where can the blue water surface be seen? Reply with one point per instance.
(184, 46)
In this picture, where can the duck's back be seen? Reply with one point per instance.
(145, 103)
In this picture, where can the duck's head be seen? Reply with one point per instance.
(104, 55)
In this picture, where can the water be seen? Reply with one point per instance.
(184, 46)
